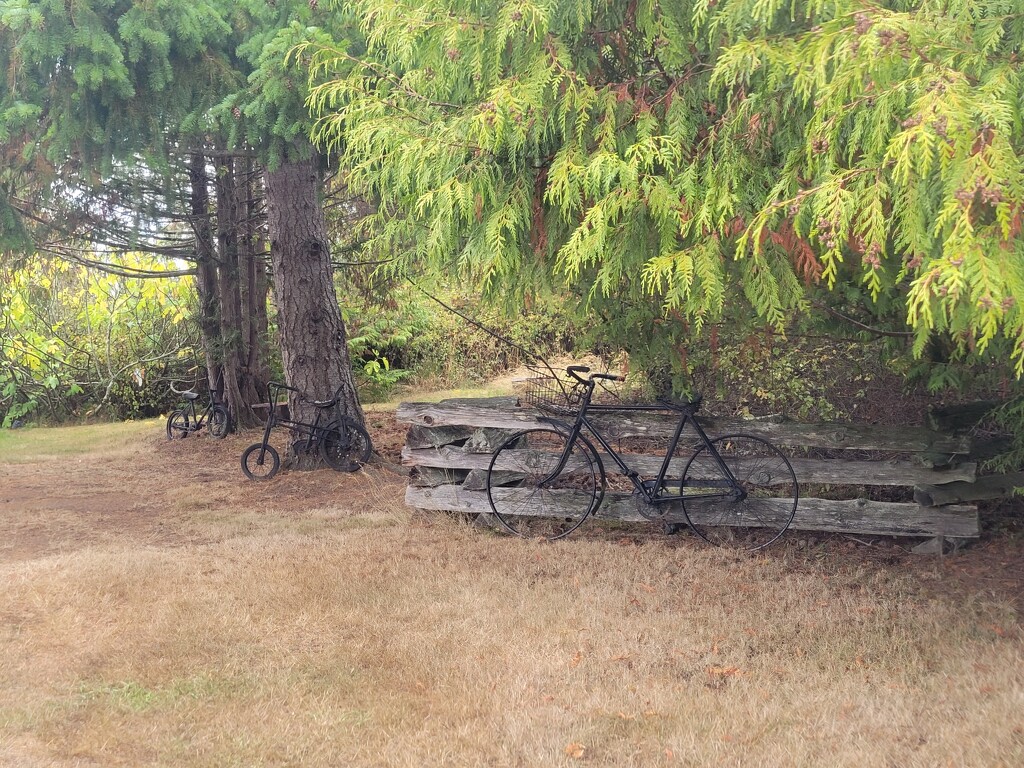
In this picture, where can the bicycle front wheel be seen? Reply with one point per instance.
(177, 425)
(750, 513)
(534, 494)
(345, 451)
(260, 462)
(220, 422)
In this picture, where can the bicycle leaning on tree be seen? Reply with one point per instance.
(185, 420)
(342, 442)
(545, 482)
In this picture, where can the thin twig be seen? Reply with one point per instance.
(868, 328)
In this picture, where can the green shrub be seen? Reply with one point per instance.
(410, 336)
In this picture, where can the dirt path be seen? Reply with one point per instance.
(149, 490)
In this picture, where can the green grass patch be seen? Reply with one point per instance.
(133, 696)
(411, 395)
(31, 444)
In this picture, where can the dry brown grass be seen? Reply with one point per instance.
(315, 621)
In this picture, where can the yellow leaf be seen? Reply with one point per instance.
(575, 750)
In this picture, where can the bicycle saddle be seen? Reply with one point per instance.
(190, 395)
(325, 403)
(682, 405)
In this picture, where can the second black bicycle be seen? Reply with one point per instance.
(737, 489)
(342, 443)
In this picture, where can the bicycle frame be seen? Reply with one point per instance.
(198, 420)
(652, 495)
(311, 431)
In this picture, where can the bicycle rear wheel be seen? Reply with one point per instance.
(345, 451)
(528, 493)
(753, 513)
(220, 422)
(177, 425)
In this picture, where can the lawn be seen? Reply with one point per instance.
(158, 609)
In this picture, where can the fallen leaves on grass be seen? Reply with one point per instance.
(575, 750)
(723, 672)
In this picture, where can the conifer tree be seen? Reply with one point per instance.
(666, 160)
(177, 89)
(119, 94)
(270, 115)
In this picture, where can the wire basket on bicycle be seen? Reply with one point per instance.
(556, 394)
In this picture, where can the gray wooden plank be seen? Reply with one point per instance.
(821, 471)
(858, 516)
(986, 487)
(661, 425)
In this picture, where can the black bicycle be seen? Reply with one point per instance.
(342, 442)
(544, 482)
(185, 420)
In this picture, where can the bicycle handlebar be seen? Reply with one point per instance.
(302, 395)
(575, 370)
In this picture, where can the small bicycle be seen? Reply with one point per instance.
(184, 421)
(544, 482)
(342, 443)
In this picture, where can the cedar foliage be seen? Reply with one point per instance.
(664, 160)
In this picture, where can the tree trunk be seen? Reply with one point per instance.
(232, 288)
(228, 223)
(314, 348)
(257, 288)
(206, 271)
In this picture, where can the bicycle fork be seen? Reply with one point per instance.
(266, 435)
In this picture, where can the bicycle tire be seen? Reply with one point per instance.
(529, 499)
(256, 468)
(178, 425)
(220, 422)
(345, 452)
(752, 518)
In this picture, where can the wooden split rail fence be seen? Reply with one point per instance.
(449, 447)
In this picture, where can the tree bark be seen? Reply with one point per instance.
(232, 288)
(206, 271)
(257, 288)
(314, 347)
(228, 226)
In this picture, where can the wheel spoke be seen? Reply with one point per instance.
(754, 513)
(533, 494)
(177, 425)
(346, 450)
(260, 462)
(220, 422)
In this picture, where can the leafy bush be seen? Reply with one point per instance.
(454, 350)
(74, 340)
(410, 336)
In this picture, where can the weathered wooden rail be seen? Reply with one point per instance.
(449, 447)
